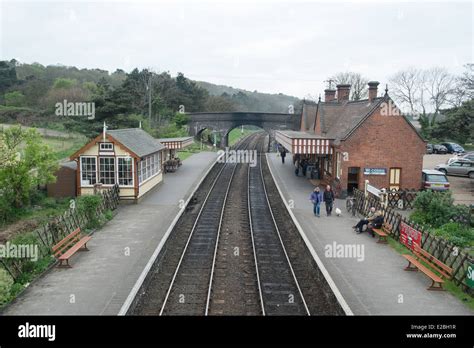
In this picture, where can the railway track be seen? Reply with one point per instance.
(280, 293)
(190, 289)
(230, 256)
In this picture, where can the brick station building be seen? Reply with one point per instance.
(349, 142)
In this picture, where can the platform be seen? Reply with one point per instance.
(374, 285)
(101, 279)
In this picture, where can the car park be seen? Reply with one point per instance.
(458, 167)
(440, 149)
(434, 180)
(453, 147)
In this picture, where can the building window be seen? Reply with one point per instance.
(88, 171)
(107, 170)
(125, 171)
(148, 167)
(106, 147)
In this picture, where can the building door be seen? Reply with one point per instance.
(352, 179)
(395, 175)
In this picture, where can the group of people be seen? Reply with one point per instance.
(301, 164)
(374, 219)
(317, 197)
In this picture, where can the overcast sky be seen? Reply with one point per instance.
(280, 46)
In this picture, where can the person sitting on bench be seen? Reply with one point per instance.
(376, 222)
(365, 221)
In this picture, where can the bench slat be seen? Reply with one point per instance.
(75, 248)
(66, 246)
(66, 239)
(379, 232)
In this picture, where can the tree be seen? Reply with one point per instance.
(423, 93)
(458, 124)
(215, 103)
(405, 87)
(439, 85)
(463, 89)
(28, 163)
(8, 76)
(357, 81)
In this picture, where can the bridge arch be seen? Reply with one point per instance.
(224, 122)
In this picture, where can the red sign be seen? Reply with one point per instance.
(409, 236)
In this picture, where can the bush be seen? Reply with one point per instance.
(6, 282)
(88, 205)
(435, 208)
(14, 98)
(459, 234)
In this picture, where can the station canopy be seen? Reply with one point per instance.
(298, 142)
(176, 143)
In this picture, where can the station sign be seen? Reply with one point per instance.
(409, 236)
(375, 171)
(470, 275)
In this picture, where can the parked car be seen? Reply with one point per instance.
(453, 147)
(434, 180)
(440, 149)
(429, 149)
(467, 157)
(459, 167)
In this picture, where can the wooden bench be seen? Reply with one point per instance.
(415, 264)
(69, 245)
(382, 232)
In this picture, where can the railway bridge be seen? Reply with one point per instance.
(223, 122)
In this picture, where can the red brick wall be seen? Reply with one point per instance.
(384, 142)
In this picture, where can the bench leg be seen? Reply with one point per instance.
(382, 240)
(439, 287)
(62, 265)
(408, 268)
(84, 248)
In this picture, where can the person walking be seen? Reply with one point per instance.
(297, 167)
(283, 155)
(304, 166)
(328, 198)
(316, 198)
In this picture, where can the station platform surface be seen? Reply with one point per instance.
(375, 285)
(101, 279)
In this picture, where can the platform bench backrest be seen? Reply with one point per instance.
(67, 242)
(423, 255)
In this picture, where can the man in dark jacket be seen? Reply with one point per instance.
(283, 155)
(328, 198)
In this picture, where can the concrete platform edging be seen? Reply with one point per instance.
(131, 296)
(320, 264)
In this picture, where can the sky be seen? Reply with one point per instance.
(287, 46)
